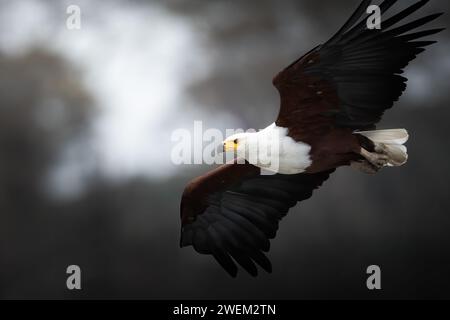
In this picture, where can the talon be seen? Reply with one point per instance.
(381, 148)
(379, 158)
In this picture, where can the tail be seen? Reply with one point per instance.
(394, 141)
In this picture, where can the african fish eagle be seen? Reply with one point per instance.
(331, 100)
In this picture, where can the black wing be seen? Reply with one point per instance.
(354, 77)
(233, 212)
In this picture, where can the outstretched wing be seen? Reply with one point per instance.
(233, 212)
(354, 77)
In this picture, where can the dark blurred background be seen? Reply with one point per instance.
(86, 118)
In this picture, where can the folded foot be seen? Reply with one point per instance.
(379, 158)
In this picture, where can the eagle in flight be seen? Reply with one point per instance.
(331, 100)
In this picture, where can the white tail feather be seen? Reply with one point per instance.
(395, 136)
(394, 141)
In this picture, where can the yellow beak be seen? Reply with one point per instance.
(230, 146)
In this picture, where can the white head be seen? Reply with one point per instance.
(240, 144)
(260, 148)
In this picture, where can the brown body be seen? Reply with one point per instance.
(336, 148)
(308, 104)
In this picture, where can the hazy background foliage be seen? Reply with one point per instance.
(85, 123)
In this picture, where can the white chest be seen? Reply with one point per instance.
(273, 150)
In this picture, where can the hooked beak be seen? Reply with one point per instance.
(227, 146)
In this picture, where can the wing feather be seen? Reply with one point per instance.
(353, 78)
(235, 221)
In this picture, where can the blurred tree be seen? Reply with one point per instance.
(42, 107)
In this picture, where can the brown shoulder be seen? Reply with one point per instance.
(195, 195)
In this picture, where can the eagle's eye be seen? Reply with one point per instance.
(235, 141)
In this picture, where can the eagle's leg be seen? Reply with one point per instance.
(379, 158)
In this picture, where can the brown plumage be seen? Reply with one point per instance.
(340, 87)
